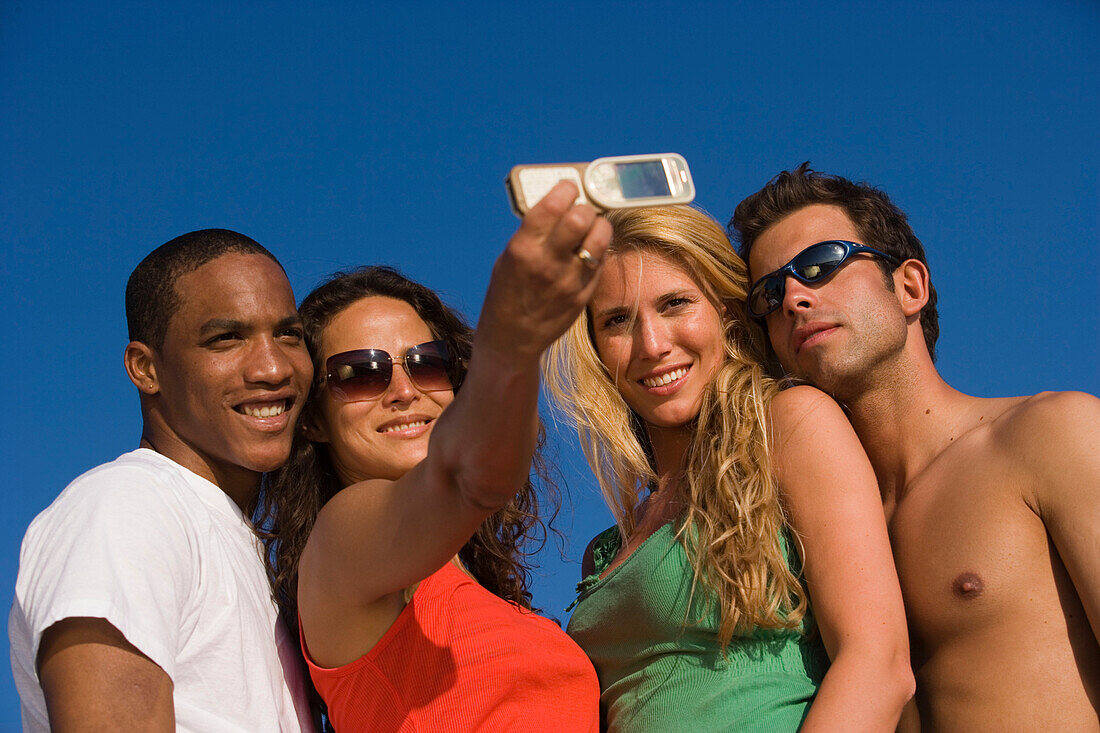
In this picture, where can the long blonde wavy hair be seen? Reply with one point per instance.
(734, 519)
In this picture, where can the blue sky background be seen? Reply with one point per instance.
(339, 134)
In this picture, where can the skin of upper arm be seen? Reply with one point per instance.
(367, 547)
(910, 718)
(833, 504)
(1058, 436)
(93, 679)
(369, 539)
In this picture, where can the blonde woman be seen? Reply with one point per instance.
(748, 583)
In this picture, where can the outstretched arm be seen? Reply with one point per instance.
(376, 538)
(833, 503)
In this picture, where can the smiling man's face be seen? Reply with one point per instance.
(233, 372)
(834, 331)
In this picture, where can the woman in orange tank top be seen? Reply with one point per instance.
(396, 530)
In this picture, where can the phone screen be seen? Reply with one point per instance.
(643, 180)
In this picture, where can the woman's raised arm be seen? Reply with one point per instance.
(376, 538)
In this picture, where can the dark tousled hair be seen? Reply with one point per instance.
(151, 295)
(498, 553)
(880, 223)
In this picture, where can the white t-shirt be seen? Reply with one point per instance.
(169, 560)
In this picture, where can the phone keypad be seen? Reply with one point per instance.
(537, 182)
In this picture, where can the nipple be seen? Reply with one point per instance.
(967, 585)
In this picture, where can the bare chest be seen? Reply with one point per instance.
(972, 557)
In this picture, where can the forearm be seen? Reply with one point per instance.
(485, 441)
(864, 690)
(488, 435)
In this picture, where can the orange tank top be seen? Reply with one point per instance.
(458, 658)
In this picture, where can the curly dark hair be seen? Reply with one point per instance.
(498, 555)
(880, 223)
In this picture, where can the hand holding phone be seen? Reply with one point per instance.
(619, 182)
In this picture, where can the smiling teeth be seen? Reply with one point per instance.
(251, 411)
(405, 426)
(665, 378)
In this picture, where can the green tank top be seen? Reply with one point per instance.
(656, 650)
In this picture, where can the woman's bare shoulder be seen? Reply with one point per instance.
(803, 407)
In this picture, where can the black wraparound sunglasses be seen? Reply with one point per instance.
(812, 264)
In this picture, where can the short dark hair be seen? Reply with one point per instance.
(880, 223)
(151, 295)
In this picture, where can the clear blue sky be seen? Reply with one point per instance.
(339, 134)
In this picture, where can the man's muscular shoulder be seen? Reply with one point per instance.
(1050, 412)
(1052, 438)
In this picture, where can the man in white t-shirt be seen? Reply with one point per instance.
(142, 601)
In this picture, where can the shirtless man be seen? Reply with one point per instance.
(993, 505)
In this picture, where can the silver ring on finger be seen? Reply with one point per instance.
(586, 257)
